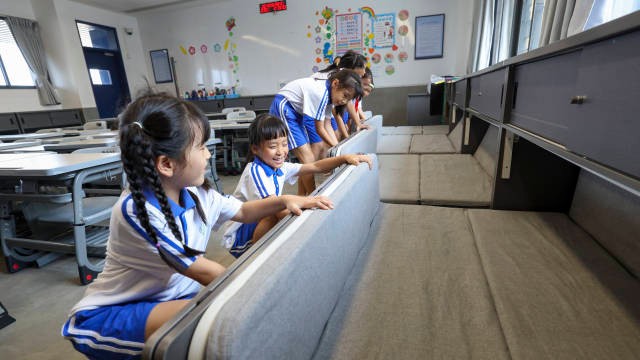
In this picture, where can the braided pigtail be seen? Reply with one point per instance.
(152, 126)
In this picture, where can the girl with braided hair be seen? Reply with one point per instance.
(159, 229)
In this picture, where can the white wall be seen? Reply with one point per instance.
(57, 20)
(282, 51)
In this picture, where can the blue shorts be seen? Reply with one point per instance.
(243, 239)
(334, 123)
(310, 126)
(109, 332)
(345, 117)
(282, 109)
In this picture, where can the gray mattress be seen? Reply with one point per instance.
(455, 179)
(485, 284)
(399, 178)
(401, 130)
(394, 144)
(558, 294)
(419, 294)
(431, 144)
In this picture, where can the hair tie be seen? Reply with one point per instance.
(137, 124)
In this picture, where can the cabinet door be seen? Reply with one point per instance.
(9, 124)
(487, 93)
(606, 127)
(35, 121)
(65, 118)
(543, 90)
(460, 93)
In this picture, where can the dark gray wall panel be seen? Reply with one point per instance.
(487, 93)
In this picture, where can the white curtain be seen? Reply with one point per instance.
(555, 20)
(27, 36)
(482, 35)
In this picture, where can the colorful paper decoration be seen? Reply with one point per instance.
(403, 30)
(192, 50)
(376, 58)
(403, 56)
(368, 10)
(183, 50)
(403, 15)
(327, 13)
(203, 48)
(217, 48)
(389, 70)
(230, 23)
(388, 58)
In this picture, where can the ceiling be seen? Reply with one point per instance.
(130, 6)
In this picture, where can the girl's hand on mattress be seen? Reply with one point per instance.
(356, 159)
(295, 204)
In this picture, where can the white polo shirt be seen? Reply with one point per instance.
(309, 96)
(133, 270)
(259, 181)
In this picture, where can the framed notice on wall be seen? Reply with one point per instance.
(348, 33)
(429, 36)
(161, 66)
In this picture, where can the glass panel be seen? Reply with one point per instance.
(506, 30)
(15, 66)
(100, 77)
(607, 10)
(100, 37)
(525, 26)
(2, 81)
(536, 27)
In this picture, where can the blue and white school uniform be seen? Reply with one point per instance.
(300, 104)
(110, 319)
(258, 181)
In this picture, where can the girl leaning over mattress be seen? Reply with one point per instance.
(265, 175)
(159, 229)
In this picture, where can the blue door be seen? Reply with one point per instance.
(106, 69)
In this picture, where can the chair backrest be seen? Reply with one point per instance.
(242, 116)
(233, 109)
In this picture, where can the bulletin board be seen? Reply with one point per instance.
(429, 36)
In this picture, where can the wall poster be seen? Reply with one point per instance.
(429, 36)
(383, 28)
(348, 33)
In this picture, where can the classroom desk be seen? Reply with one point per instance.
(30, 136)
(28, 177)
(17, 145)
(70, 146)
(230, 132)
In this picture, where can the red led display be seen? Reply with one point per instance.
(273, 6)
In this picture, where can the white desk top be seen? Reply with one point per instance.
(228, 125)
(17, 145)
(28, 136)
(49, 164)
(80, 144)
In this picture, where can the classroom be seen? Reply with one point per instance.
(233, 179)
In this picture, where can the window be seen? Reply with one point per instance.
(14, 71)
(95, 36)
(530, 25)
(603, 11)
(100, 77)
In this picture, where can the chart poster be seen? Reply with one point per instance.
(348, 33)
(384, 30)
(429, 36)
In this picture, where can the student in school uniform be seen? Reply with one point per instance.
(350, 60)
(367, 88)
(266, 175)
(304, 104)
(159, 230)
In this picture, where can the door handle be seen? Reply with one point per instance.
(578, 99)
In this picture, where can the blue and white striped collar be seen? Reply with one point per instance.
(268, 170)
(176, 209)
